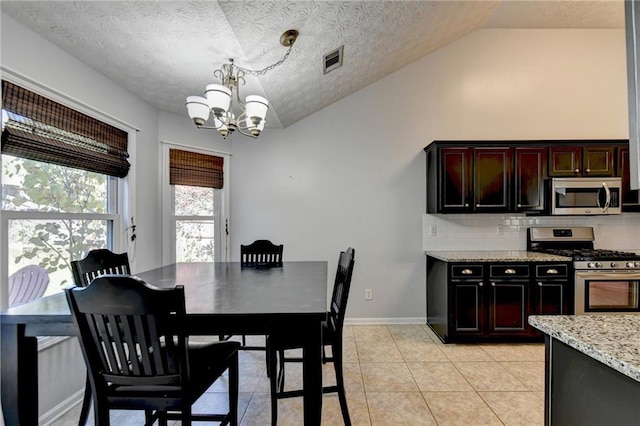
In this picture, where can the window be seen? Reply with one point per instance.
(194, 205)
(52, 212)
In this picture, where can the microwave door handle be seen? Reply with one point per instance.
(607, 198)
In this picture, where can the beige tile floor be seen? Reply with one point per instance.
(398, 375)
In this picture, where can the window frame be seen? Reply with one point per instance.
(123, 203)
(221, 216)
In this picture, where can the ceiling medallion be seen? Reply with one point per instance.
(218, 100)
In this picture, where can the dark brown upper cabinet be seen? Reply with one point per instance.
(529, 174)
(630, 197)
(467, 180)
(492, 170)
(589, 161)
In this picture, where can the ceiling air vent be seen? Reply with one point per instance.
(333, 60)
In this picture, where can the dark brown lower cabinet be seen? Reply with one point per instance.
(475, 302)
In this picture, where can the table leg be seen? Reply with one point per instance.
(19, 372)
(312, 376)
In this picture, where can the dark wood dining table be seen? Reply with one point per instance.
(221, 298)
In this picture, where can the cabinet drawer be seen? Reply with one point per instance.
(466, 271)
(552, 271)
(508, 271)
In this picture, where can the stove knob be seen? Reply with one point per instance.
(598, 264)
(630, 264)
(591, 265)
(614, 264)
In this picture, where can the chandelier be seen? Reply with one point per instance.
(218, 99)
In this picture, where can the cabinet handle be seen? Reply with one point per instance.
(478, 205)
(509, 271)
(519, 205)
(466, 204)
(577, 170)
(552, 271)
(588, 170)
(480, 284)
(539, 284)
(467, 272)
(493, 284)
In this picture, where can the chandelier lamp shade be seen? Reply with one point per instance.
(216, 109)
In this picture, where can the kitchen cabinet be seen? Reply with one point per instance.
(588, 161)
(491, 301)
(467, 180)
(530, 172)
(630, 197)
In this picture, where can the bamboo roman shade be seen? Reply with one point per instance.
(195, 169)
(41, 129)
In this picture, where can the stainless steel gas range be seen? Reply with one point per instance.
(605, 280)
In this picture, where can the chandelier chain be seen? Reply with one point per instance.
(269, 68)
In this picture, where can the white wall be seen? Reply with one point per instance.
(354, 173)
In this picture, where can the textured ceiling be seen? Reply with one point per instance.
(163, 51)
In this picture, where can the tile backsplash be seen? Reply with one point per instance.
(509, 231)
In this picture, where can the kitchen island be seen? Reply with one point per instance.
(592, 368)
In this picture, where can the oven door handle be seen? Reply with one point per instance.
(634, 274)
(607, 199)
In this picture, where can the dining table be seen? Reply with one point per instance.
(221, 298)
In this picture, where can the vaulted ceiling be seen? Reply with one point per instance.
(163, 51)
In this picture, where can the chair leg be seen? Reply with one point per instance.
(336, 352)
(101, 414)
(244, 340)
(272, 373)
(281, 371)
(86, 403)
(233, 390)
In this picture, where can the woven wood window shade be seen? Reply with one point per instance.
(41, 129)
(195, 169)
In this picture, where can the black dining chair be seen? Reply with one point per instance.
(136, 347)
(95, 263)
(278, 343)
(259, 254)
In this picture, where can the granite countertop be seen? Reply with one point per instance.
(496, 256)
(613, 339)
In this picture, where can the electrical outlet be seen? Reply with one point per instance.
(499, 230)
(434, 230)
(368, 294)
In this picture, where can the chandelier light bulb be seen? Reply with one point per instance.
(256, 109)
(198, 109)
(219, 98)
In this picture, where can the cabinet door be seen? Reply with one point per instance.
(565, 161)
(630, 198)
(530, 172)
(455, 182)
(551, 298)
(508, 307)
(598, 161)
(467, 310)
(492, 179)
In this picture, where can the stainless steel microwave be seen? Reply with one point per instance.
(584, 196)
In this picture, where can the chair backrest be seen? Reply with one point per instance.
(27, 283)
(261, 253)
(99, 262)
(132, 335)
(341, 289)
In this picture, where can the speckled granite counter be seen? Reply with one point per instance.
(496, 256)
(613, 340)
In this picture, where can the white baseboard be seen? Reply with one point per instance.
(382, 321)
(50, 417)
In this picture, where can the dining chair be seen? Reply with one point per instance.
(278, 343)
(259, 254)
(95, 263)
(27, 283)
(136, 347)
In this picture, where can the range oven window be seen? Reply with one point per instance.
(611, 295)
